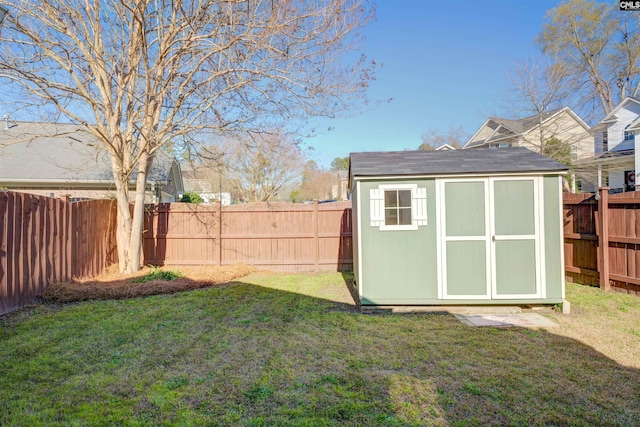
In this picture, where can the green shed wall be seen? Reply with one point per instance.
(395, 267)
(398, 267)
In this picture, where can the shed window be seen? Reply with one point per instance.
(397, 207)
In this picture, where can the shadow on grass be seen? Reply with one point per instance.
(351, 286)
(284, 350)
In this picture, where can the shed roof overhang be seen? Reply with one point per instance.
(480, 162)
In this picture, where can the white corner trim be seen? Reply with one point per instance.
(359, 243)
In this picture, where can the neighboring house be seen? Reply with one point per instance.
(561, 123)
(616, 141)
(457, 227)
(340, 191)
(445, 147)
(206, 183)
(55, 160)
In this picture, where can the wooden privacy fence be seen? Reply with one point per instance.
(602, 240)
(275, 236)
(45, 240)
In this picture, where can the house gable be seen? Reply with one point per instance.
(566, 126)
(507, 132)
(491, 131)
(626, 115)
(562, 123)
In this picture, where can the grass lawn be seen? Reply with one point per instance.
(276, 349)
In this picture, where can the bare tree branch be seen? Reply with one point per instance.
(143, 74)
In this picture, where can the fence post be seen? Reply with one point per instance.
(603, 237)
(220, 232)
(316, 239)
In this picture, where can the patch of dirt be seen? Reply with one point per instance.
(112, 284)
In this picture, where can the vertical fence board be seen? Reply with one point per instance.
(41, 243)
(618, 252)
(276, 236)
(45, 240)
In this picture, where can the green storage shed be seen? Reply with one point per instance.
(476, 226)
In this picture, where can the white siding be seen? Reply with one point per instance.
(616, 179)
(597, 139)
(626, 115)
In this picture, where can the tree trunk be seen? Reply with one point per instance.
(130, 224)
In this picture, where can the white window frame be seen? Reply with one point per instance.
(418, 207)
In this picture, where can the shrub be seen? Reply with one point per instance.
(191, 197)
(157, 274)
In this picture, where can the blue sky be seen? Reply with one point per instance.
(445, 64)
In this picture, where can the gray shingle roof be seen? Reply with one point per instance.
(60, 152)
(526, 123)
(516, 127)
(477, 161)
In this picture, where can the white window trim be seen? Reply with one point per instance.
(418, 207)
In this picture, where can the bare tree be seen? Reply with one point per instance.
(257, 169)
(432, 139)
(144, 73)
(599, 47)
(536, 88)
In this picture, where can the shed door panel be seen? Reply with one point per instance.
(465, 239)
(490, 231)
(515, 225)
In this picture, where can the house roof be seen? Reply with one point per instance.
(520, 126)
(54, 152)
(635, 125)
(611, 117)
(525, 124)
(615, 154)
(453, 162)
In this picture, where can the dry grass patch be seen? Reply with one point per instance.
(112, 284)
(609, 322)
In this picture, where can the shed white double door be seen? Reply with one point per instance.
(490, 237)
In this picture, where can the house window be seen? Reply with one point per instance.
(574, 153)
(628, 135)
(397, 207)
(605, 141)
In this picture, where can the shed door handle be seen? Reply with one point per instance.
(493, 238)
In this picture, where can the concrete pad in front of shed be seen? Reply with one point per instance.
(450, 309)
(526, 320)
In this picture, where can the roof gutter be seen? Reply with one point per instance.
(70, 181)
(456, 175)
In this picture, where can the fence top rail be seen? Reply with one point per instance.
(248, 207)
(628, 198)
(578, 199)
